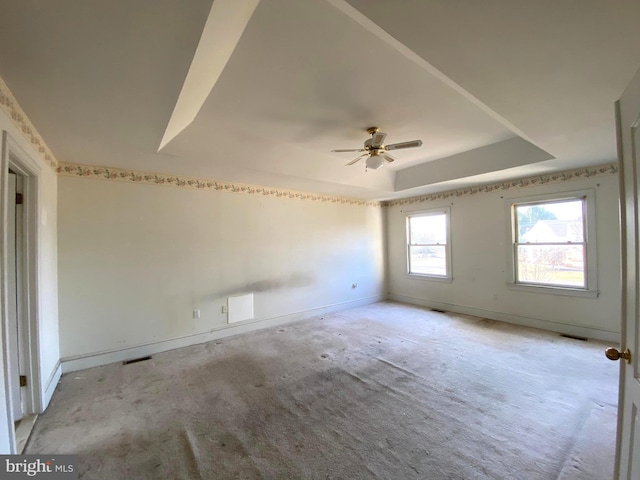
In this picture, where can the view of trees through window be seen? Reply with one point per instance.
(550, 243)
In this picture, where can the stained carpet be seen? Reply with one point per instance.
(386, 391)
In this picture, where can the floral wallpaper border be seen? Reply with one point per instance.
(12, 108)
(123, 175)
(118, 174)
(556, 177)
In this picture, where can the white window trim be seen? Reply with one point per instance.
(448, 278)
(591, 290)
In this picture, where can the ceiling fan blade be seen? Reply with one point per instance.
(351, 150)
(359, 158)
(388, 157)
(378, 139)
(398, 146)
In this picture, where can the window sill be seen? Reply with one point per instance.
(571, 292)
(435, 278)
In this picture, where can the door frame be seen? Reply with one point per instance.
(19, 161)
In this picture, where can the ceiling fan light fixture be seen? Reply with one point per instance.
(374, 162)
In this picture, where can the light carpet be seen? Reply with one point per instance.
(386, 391)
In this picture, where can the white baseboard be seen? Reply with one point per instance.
(565, 328)
(71, 364)
(80, 362)
(50, 386)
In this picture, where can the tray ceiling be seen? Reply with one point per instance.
(261, 91)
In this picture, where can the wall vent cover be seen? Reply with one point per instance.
(574, 337)
(136, 360)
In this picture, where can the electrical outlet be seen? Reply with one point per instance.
(196, 314)
(224, 309)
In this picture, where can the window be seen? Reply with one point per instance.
(552, 243)
(428, 252)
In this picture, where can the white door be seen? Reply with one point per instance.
(13, 333)
(628, 123)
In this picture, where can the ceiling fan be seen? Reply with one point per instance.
(376, 150)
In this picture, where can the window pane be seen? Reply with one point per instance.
(550, 222)
(428, 260)
(551, 264)
(428, 229)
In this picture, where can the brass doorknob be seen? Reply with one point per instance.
(615, 354)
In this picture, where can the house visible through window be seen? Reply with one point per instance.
(550, 243)
(428, 244)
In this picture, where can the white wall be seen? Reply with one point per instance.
(135, 260)
(47, 298)
(479, 250)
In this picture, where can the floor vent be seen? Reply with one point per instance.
(436, 310)
(136, 360)
(582, 339)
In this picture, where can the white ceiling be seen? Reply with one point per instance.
(261, 91)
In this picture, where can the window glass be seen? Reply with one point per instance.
(429, 229)
(550, 246)
(428, 249)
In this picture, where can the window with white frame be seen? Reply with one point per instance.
(553, 242)
(428, 249)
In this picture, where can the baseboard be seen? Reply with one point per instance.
(80, 362)
(565, 328)
(50, 386)
(23, 431)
